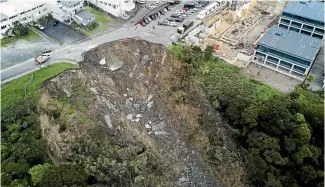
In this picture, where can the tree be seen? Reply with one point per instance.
(275, 116)
(208, 52)
(6, 179)
(37, 172)
(262, 142)
(64, 175)
(256, 168)
(302, 153)
(20, 30)
(272, 181)
(33, 151)
(18, 170)
(307, 173)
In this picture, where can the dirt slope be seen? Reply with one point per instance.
(137, 91)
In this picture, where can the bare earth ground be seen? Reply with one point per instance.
(277, 80)
(137, 102)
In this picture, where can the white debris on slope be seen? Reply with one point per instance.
(117, 65)
(108, 120)
(102, 61)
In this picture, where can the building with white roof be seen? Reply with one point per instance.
(63, 10)
(13, 12)
(116, 8)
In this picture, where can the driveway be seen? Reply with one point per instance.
(63, 33)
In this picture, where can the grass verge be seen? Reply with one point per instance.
(9, 40)
(14, 90)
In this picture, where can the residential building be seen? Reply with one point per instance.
(64, 11)
(84, 18)
(13, 12)
(116, 8)
(304, 17)
(288, 52)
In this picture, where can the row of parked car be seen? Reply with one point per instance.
(177, 17)
(154, 16)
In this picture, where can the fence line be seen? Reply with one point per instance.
(28, 83)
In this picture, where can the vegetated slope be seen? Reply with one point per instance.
(132, 116)
(282, 136)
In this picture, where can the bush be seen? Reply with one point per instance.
(92, 26)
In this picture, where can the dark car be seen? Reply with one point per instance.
(162, 12)
(174, 19)
(56, 23)
(46, 51)
(168, 8)
(178, 20)
(175, 16)
(153, 16)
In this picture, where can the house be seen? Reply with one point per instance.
(116, 8)
(64, 11)
(84, 18)
(24, 12)
(304, 17)
(287, 52)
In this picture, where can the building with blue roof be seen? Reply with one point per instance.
(287, 51)
(304, 17)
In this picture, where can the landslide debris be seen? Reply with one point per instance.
(130, 116)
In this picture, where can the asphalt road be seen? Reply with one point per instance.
(72, 52)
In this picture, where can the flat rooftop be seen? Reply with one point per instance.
(291, 42)
(69, 3)
(13, 7)
(312, 10)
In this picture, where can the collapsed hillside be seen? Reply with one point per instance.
(131, 116)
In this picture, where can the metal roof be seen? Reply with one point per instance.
(69, 3)
(85, 14)
(291, 42)
(312, 10)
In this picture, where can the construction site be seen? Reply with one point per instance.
(233, 32)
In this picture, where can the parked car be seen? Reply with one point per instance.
(173, 24)
(47, 51)
(162, 12)
(175, 16)
(40, 27)
(152, 6)
(198, 6)
(178, 11)
(168, 8)
(146, 20)
(175, 19)
(153, 16)
(55, 23)
(141, 1)
(143, 23)
(165, 22)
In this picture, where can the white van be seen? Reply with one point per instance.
(141, 1)
(202, 14)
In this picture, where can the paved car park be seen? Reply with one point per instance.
(63, 33)
(166, 31)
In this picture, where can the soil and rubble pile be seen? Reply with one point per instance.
(124, 89)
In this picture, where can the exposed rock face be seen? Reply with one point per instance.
(127, 95)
